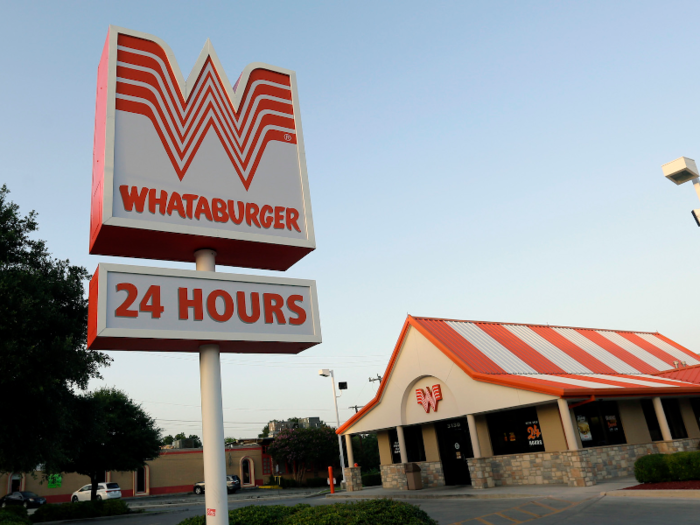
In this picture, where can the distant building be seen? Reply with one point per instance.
(276, 426)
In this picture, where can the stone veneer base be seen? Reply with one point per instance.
(353, 479)
(579, 468)
(394, 476)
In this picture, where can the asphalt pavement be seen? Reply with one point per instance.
(584, 510)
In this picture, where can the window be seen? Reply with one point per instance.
(672, 410)
(141, 481)
(695, 403)
(599, 424)
(245, 472)
(395, 447)
(415, 451)
(674, 418)
(515, 431)
(652, 422)
(266, 465)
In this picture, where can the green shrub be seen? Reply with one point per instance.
(371, 478)
(288, 483)
(14, 515)
(80, 510)
(316, 482)
(268, 515)
(651, 469)
(374, 512)
(19, 512)
(683, 466)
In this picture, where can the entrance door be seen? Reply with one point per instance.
(455, 447)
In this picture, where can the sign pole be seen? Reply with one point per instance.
(215, 489)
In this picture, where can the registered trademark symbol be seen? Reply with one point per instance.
(287, 137)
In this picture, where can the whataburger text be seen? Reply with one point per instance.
(201, 208)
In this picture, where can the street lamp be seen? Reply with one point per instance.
(325, 372)
(681, 171)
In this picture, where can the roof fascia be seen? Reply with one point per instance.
(382, 385)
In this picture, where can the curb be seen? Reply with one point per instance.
(685, 494)
(436, 496)
(248, 498)
(118, 516)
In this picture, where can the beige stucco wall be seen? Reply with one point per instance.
(430, 443)
(482, 431)
(419, 365)
(689, 419)
(633, 421)
(384, 448)
(552, 430)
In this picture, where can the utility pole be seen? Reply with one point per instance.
(356, 407)
(373, 379)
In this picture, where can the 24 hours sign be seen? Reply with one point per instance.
(139, 308)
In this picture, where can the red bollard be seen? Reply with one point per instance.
(330, 480)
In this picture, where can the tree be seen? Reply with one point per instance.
(196, 442)
(230, 440)
(366, 451)
(43, 329)
(304, 448)
(114, 434)
(265, 432)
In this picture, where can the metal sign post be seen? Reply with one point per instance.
(215, 489)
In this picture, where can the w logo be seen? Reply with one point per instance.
(245, 117)
(429, 398)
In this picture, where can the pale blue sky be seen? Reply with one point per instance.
(494, 161)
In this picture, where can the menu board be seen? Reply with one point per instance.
(584, 429)
(611, 422)
(534, 434)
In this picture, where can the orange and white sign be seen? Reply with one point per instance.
(429, 398)
(139, 308)
(182, 164)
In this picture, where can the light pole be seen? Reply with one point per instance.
(680, 171)
(325, 372)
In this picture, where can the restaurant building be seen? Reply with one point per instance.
(496, 404)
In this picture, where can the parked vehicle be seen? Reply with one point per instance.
(233, 483)
(27, 499)
(104, 491)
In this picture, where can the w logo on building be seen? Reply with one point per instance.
(429, 398)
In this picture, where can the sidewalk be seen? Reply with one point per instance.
(507, 492)
(163, 501)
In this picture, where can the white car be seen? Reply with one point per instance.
(104, 491)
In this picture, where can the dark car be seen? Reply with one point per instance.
(28, 499)
(233, 483)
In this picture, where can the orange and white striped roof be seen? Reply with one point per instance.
(563, 357)
(556, 360)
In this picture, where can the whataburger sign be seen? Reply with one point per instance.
(198, 170)
(183, 163)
